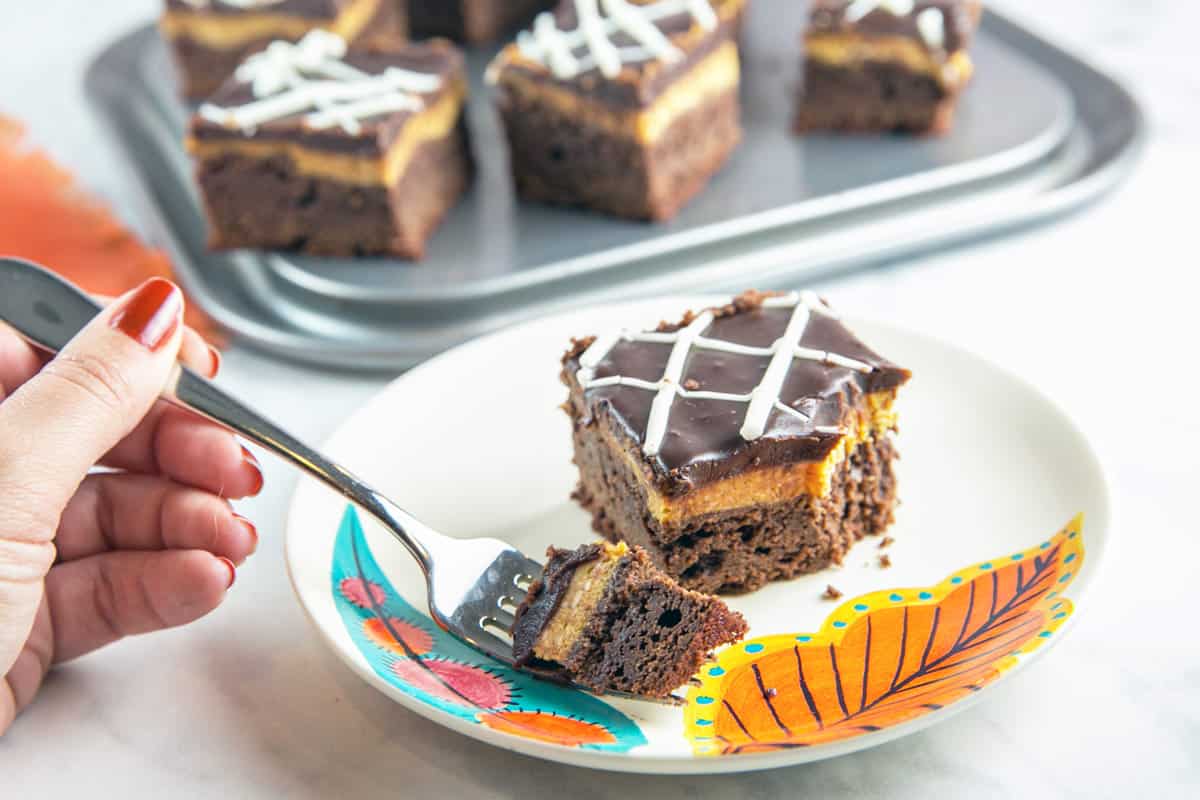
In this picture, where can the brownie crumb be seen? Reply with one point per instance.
(691, 384)
(885, 561)
(831, 592)
(887, 542)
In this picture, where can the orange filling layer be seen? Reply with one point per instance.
(711, 77)
(774, 484)
(583, 594)
(846, 50)
(432, 124)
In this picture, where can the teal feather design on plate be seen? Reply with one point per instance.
(407, 650)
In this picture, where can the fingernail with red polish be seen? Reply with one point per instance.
(151, 316)
(252, 462)
(215, 358)
(250, 529)
(232, 571)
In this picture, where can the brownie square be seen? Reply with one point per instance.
(886, 65)
(209, 38)
(474, 21)
(741, 445)
(632, 121)
(605, 617)
(314, 149)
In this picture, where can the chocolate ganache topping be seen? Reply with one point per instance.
(319, 93)
(944, 26)
(766, 380)
(545, 596)
(667, 39)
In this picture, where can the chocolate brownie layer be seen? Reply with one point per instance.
(639, 633)
(267, 203)
(742, 549)
(559, 159)
(873, 96)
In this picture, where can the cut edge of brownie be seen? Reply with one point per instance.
(741, 550)
(267, 203)
(644, 634)
(735, 549)
(559, 160)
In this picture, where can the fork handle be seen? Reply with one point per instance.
(190, 391)
(48, 311)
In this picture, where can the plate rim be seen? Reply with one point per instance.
(1099, 527)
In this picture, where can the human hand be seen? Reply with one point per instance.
(87, 558)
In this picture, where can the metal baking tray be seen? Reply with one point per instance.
(1038, 133)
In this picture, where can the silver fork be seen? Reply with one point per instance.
(474, 584)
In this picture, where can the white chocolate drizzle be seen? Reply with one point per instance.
(761, 401)
(860, 8)
(599, 21)
(931, 23)
(310, 75)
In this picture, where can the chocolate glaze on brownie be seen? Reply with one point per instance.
(435, 57)
(960, 19)
(640, 83)
(703, 442)
(545, 596)
(741, 549)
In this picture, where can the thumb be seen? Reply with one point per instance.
(57, 425)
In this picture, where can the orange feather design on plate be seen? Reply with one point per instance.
(885, 658)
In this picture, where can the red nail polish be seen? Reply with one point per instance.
(214, 356)
(251, 529)
(252, 462)
(152, 314)
(232, 571)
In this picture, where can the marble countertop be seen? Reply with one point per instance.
(1098, 308)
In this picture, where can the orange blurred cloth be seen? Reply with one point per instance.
(45, 216)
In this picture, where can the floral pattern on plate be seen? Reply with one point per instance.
(408, 651)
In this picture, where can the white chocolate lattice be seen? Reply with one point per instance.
(311, 76)
(761, 401)
(599, 22)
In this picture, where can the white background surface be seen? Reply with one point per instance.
(1100, 309)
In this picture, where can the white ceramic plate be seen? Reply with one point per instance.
(987, 565)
